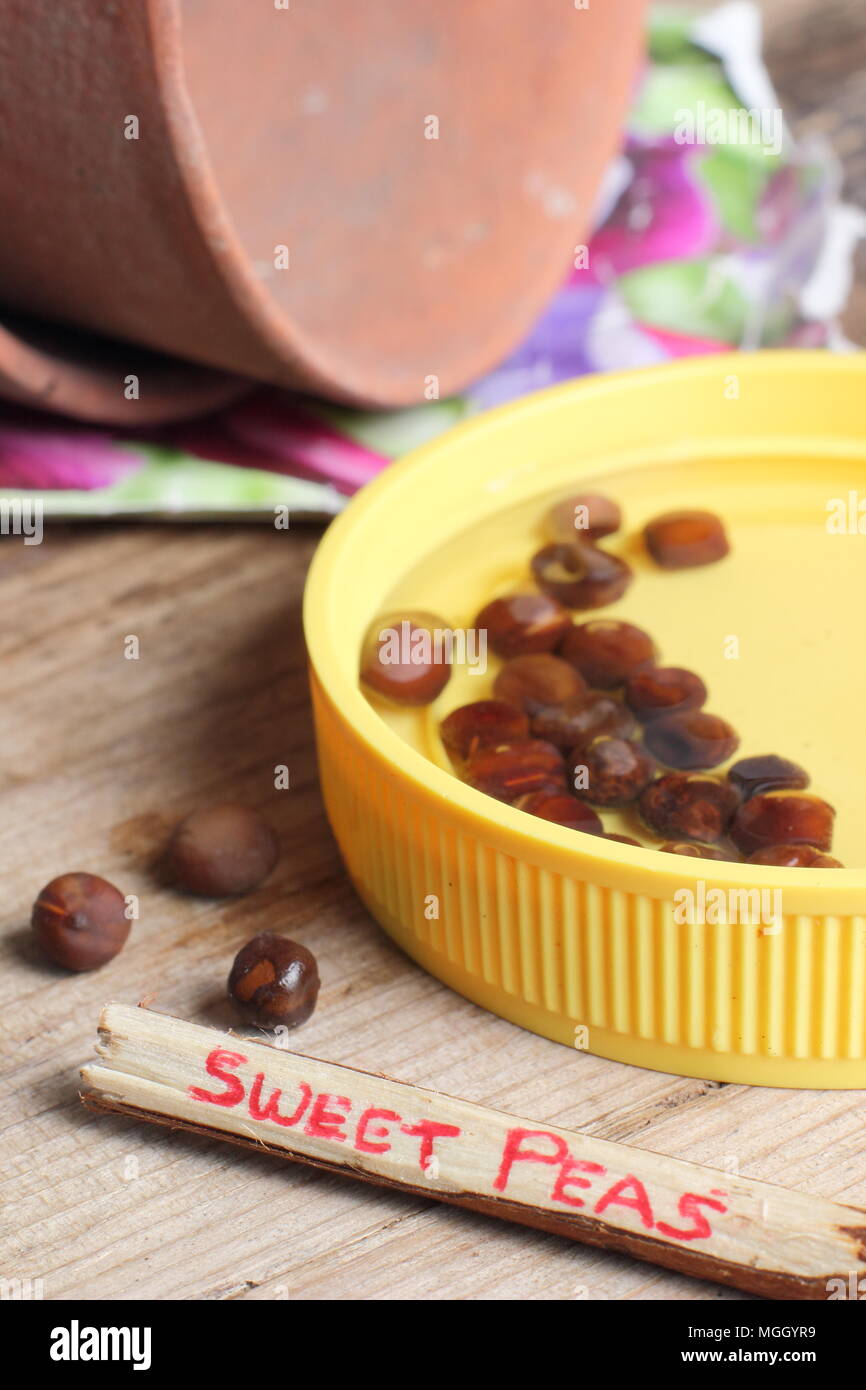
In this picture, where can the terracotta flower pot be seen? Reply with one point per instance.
(365, 200)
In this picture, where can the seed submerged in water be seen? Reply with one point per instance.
(766, 772)
(559, 571)
(522, 623)
(575, 723)
(682, 540)
(551, 719)
(693, 739)
(688, 806)
(563, 809)
(539, 679)
(484, 722)
(510, 770)
(401, 661)
(663, 690)
(586, 516)
(783, 818)
(691, 850)
(607, 652)
(616, 771)
(580, 575)
(607, 578)
(794, 857)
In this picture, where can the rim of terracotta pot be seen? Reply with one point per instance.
(69, 371)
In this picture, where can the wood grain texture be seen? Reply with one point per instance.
(99, 756)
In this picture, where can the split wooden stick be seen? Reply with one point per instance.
(750, 1235)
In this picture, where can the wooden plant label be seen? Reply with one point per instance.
(746, 1234)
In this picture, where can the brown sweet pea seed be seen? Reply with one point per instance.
(580, 575)
(682, 540)
(221, 850)
(273, 981)
(480, 724)
(607, 652)
(520, 623)
(663, 690)
(794, 857)
(401, 661)
(80, 921)
(586, 516)
(692, 850)
(766, 772)
(563, 809)
(693, 739)
(510, 770)
(530, 682)
(783, 818)
(610, 771)
(688, 806)
(575, 723)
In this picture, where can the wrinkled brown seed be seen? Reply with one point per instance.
(615, 770)
(274, 981)
(688, 806)
(575, 723)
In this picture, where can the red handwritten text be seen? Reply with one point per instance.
(328, 1116)
(568, 1180)
(539, 1146)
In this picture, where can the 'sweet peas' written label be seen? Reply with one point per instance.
(536, 1166)
(724, 1226)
